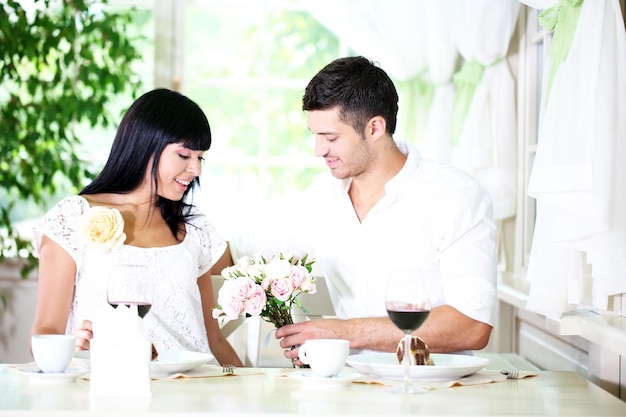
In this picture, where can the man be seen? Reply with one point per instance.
(382, 208)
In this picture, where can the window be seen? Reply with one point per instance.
(533, 44)
(247, 63)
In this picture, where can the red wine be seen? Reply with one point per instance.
(142, 308)
(408, 320)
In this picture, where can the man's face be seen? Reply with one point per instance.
(346, 152)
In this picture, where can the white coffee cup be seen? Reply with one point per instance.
(326, 357)
(53, 352)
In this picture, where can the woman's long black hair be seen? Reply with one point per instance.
(155, 120)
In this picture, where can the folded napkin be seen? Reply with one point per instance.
(480, 377)
(203, 371)
(210, 371)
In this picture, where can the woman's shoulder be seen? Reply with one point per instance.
(65, 214)
(204, 235)
(199, 224)
(71, 205)
(60, 224)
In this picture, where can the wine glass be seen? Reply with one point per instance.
(408, 304)
(130, 284)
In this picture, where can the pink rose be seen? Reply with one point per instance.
(232, 308)
(266, 283)
(243, 288)
(298, 275)
(309, 286)
(281, 288)
(255, 304)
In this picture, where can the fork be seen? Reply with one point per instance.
(228, 368)
(510, 373)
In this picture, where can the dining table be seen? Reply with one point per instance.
(283, 392)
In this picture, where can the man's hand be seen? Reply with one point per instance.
(293, 335)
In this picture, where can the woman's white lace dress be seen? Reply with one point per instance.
(175, 320)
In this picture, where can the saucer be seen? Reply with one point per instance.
(82, 359)
(32, 372)
(310, 380)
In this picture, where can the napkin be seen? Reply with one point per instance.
(480, 377)
(120, 347)
(204, 371)
(211, 371)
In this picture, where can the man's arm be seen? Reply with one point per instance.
(446, 330)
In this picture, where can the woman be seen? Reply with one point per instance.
(154, 163)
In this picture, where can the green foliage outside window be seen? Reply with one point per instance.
(65, 64)
(61, 63)
(248, 69)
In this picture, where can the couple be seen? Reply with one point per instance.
(380, 206)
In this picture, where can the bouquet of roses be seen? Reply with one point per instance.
(256, 286)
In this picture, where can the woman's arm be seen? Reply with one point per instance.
(221, 348)
(55, 288)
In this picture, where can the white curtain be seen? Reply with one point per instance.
(442, 59)
(484, 139)
(579, 174)
(416, 42)
(392, 35)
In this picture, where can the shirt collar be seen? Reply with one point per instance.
(401, 179)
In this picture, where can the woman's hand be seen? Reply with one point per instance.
(83, 335)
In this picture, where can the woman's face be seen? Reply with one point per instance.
(178, 166)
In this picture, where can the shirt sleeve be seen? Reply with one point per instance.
(60, 224)
(212, 245)
(467, 255)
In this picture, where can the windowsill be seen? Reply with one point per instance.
(605, 330)
(608, 331)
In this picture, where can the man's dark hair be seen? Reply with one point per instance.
(358, 87)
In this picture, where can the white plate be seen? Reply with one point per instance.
(310, 380)
(31, 371)
(175, 361)
(168, 362)
(446, 367)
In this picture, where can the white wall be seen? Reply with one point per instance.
(16, 314)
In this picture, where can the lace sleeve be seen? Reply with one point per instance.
(212, 245)
(60, 225)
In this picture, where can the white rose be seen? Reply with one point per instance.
(102, 228)
(278, 268)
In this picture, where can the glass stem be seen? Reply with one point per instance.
(406, 385)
